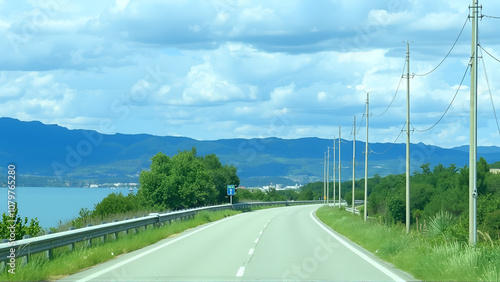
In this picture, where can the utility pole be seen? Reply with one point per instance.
(324, 177)
(334, 168)
(407, 137)
(473, 128)
(340, 168)
(353, 162)
(366, 155)
(328, 177)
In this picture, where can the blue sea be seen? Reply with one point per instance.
(53, 204)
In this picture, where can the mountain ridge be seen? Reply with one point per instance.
(56, 151)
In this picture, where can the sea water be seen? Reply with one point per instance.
(53, 204)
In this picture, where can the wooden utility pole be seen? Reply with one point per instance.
(334, 168)
(366, 156)
(353, 162)
(340, 168)
(407, 137)
(473, 127)
(328, 177)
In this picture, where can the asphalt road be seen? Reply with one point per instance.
(279, 244)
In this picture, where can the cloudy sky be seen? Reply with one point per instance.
(245, 68)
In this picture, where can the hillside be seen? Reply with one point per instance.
(60, 154)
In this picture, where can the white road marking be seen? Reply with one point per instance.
(260, 233)
(358, 252)
(129, 260)
(251, 251)
(240, 272)
(256, 241)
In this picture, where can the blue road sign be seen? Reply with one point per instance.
(230, 190)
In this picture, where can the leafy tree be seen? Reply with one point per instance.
(221, 175)
(493, 184)
(483, 170)
(185, 180)
(21, 227)
(116, 203)
(396, 208)
(307, 194)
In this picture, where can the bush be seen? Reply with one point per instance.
(21, 226)
(116, 203)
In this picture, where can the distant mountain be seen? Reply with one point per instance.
(57, 152)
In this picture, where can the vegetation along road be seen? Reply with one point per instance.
(287, 243)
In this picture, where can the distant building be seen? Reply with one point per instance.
(296, 186)
(495, 170)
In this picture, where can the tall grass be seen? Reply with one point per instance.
(423, 256)
(65, 262)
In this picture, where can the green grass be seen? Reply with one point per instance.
(425, 258)
(65, 262)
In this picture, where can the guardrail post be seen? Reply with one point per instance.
(48, 253)
(104, 236)
(89, 242)
(2, 264)
(72, 245)
(26, 258)
(126, 230)
(116, 233)
(135, 229)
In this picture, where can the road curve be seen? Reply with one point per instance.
(278, 244)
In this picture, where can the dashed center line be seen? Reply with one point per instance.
(241, 270)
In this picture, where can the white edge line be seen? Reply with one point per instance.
(115, 266)
(358, 252)
(251, 251)
(240, 272)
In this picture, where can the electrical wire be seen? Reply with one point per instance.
(361, 121)
(395, 93)
(449, 52)
(491, 17)
(393, 143)
(489, 90)
(449, 106)
(488, 53)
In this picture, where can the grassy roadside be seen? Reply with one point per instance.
(424, 258)
(67, 262)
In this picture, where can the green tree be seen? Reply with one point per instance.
(21, 226)
(185, 180)
(116, 203)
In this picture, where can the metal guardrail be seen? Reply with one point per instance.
(45, 243)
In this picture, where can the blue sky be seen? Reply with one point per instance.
(240, 68)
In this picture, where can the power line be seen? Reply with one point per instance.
(492, 17)
(393, 143)
(489, 90)
(488, 53)
(449, 52)
(449, 106)
(362, 120)
(395, 93)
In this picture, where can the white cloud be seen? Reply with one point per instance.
(203, 85)
(120, 6)
(226, 68)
